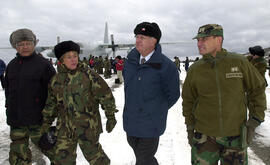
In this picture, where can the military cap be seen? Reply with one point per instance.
(61, 48)
(22, 35)
(209, 30)
(148, 29)
(256, 50)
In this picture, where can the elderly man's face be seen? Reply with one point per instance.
(145, 44)
(25, 48)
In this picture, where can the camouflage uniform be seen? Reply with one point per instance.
(177, 63)
(96, 64)
(261, 65)
(107, 66)
(209, 150)
(215, 108)
(85, 61)
(100, 65)
(72, 99)
(20, 153)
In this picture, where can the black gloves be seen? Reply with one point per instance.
(48, 140)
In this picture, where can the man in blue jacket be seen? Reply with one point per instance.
(152, 87)
(2, 71)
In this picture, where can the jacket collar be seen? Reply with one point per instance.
(26, 57)
(61, 68)
(212, 60)
(259, 59)
(220, 54)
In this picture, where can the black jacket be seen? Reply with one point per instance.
(27, 80)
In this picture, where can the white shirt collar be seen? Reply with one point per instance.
(147, 57)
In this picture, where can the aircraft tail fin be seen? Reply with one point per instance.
(106, 35)
(58, 39)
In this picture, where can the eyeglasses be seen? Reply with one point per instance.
(25, 44)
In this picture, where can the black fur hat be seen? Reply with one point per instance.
(256, 50)
(61, 48)
(148, 29)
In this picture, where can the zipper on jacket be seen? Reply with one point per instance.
(219, 99)
(68, 118)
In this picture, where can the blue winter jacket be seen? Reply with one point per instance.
(151, 89)
(2, 67)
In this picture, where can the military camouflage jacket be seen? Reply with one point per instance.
(107, 64)
(177, 63)
(260, 64)
(72, 97)
(214, 94)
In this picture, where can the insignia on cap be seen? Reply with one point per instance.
(143, 29)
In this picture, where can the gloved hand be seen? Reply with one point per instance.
(251, 126)
(48, 139)
(110, 124)
(190, 132)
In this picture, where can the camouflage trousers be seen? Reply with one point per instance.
(208, 150)
(107, 73)
(20, 153)
(66, 147)
(100, 70)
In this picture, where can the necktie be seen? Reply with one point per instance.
(142, 60)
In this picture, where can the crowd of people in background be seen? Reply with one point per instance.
(106, 66)
(102, 65)
(109, 66)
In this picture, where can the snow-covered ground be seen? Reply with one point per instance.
(173, 147)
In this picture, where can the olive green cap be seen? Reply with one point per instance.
(209, 30)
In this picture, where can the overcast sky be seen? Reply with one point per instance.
(245, 22)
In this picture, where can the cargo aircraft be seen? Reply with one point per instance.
(104, 49)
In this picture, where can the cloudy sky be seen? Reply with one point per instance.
(246, 22)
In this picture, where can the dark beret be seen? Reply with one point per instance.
(256, 50)
(148, 29)
(61, 48)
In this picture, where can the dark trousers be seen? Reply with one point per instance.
(144, 149)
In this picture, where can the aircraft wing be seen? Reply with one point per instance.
(42, 48)
(123, 46)
(175, 43)
(6, 48)
(116, 46)
(38, 49)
